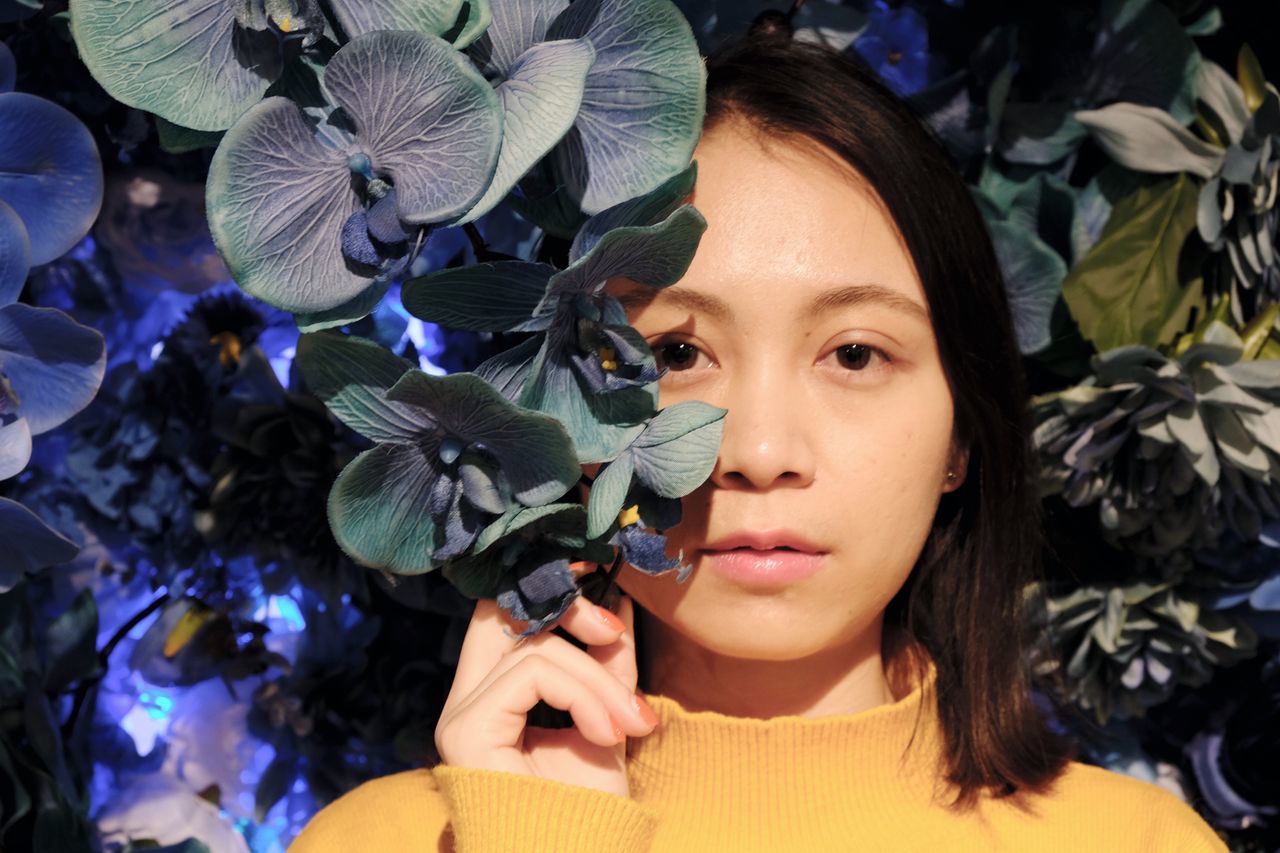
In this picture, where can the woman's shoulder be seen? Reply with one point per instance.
(1121, 812)
(403, 811)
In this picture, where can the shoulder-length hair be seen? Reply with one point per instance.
(966, 600)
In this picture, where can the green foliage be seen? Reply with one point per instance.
(1128, 290)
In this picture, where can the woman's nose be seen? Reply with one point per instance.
(766, 441)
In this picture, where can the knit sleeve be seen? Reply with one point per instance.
(495, 810)
(464, 809)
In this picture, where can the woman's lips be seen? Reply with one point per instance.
(774, 567)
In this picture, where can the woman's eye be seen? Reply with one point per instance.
(675, 356)
(857, 357)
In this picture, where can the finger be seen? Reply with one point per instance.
(619, 697)
(619, 657)
(513, 693)
(591, 623)
(488, 639)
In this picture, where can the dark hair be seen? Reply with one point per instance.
(964, 601)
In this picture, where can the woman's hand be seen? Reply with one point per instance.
(500, 678)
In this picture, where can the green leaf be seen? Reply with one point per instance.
(1252, 80)
(71, 644)
(351, 375)
(677, 450)
(608, 493)
(1126, 290)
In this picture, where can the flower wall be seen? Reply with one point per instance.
(223, 317)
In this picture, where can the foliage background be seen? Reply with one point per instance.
(212, 667)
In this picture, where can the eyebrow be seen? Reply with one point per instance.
(836, 297)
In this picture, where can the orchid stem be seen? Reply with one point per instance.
(82, 689)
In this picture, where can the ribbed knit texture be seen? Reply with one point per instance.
(703, 781)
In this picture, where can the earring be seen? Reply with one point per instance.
(951, 475)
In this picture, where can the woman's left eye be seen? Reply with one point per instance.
(857, 357)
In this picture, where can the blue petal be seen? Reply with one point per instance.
(51, 175)
(356, 244)
(539, 596)
(30, 544)
(424, 115)
(15, 254)
(384, 223)
(644, 550)
(54, 364)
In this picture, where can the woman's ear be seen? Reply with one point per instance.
(958, 465)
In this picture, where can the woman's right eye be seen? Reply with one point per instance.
(675, 355)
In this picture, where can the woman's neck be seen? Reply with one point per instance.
(842, 680)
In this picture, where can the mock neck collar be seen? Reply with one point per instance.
(861, 755)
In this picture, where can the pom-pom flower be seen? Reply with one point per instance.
(1172, 450)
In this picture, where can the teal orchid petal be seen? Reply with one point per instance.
(677, 450)
(532, 450)
(541, 96)
(378, 509)
(426, 119)
(517, 25)
(435, 17)
(15, 254)
(351, 375)
(186, 60)
(53, 364)
(50, 173)
(277, 197)
(645, 96)
(486, 297)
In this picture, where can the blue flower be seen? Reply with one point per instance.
(896, 45)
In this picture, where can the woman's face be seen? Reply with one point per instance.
(802, 315)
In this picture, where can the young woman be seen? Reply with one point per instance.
(847, 666)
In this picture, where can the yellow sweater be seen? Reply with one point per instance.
(705, 782)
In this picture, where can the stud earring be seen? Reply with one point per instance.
(951, 475)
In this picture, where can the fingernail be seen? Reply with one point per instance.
(610, 619)
(646, 713)
(618, 733)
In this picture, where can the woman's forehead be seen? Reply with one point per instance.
(787, 221)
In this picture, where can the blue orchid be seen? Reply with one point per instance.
(603, 101)
(452, 452)
(522, 560)
(318, 217)
(201, 63)
(896, 46)
(589, 369)
(50, 366)
(51, 185)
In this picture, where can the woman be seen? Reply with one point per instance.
(847, 666)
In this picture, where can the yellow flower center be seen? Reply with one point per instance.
(630, 515)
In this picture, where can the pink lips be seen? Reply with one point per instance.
(765, 557)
